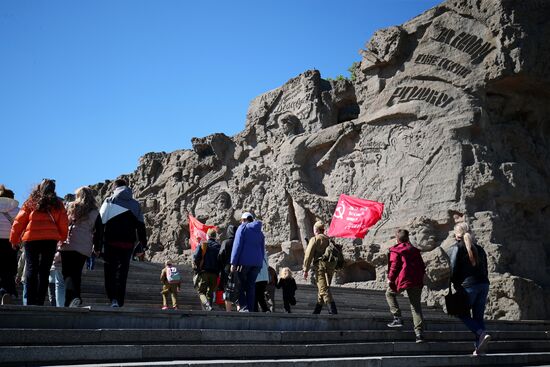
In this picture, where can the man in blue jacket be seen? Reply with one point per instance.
(246, 257)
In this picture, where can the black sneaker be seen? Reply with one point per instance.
(397, 322)
(420, 338)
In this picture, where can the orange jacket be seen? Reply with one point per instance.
(31, 225)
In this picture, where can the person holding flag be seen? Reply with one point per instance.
(352, 218)
(205, 259)
(324, 270)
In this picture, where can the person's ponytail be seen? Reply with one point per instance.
(471, 248)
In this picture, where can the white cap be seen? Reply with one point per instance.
(247, 215)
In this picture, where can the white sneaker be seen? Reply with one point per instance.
(483, 341)
(6, 299)
(76, 302)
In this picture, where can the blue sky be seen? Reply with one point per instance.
(87, 87)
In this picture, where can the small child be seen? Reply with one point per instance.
(171, 282)
(287, 282)
(56, 289)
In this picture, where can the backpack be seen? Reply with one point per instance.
(232, 288)
(172, 275)
(333, 255)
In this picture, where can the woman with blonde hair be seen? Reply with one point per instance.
(469, 274)
(40, 224)
(85, 233)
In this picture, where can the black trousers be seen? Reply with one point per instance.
(260, 297)
(8, 267)
(117, 264)
(72, 263)
(38, 258)
(288, 300)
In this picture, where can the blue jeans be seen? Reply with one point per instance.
(24, 293)
(56, 277)
(477, 296)
(90, 262)
(247, 295)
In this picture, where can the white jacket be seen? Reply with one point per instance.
(10, 207)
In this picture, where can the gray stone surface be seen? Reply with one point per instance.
(448, 113)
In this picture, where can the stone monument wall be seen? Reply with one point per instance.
(448, 115)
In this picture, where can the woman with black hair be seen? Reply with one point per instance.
(40, 224)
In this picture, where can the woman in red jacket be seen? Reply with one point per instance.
(406, 272)
(40, 224)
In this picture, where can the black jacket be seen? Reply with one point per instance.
(123, 219)
(210, 263)
(463, 273)
(125, 228)
(288, 285)
(224, 256)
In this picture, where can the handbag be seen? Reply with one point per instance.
(457, 303)
(232, 288)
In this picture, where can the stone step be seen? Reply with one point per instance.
(139, 318)
(503, 359)
(58, 337)
(169, 351)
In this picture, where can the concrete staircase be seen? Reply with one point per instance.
(140, 334)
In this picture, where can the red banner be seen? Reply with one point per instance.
(197, 231)
(353, 217)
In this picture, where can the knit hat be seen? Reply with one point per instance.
(211, 233)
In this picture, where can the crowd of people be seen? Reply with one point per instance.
(57, 239)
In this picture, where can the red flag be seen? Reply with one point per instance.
(353, 217)
(197, 230)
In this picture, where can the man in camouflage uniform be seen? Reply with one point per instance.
(324, 271)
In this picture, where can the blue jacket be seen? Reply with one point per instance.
(249, 245)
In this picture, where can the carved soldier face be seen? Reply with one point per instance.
(290, 124)
(223, 201)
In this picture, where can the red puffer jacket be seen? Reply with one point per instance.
(32, 225)
(405, 267)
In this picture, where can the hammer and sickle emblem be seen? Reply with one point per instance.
(339, 212)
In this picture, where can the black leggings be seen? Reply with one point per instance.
(72, 263)
(260, 297)
(39, 258)
(8, 267)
